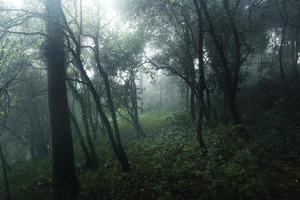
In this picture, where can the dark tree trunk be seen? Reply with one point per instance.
(89, 162)
(296, 57)
(88, 134)
(237, 65)
(134, 111)
(32, 144)
(85, 118)
(161, 94)
(191, 75)
(92, 118)
(65, 183)
(38, 144)
(115, 141)
(208, 104)
(121, 152)
(230, 77)
(200, 130)
(280, 57)
(233, 110)
(192, 104)
(42, 147)
(187, 97)
(297, 47)
(111, 107)
(5, 177)
(136, 119)
(282, 8)
(141, 93)
(191, 72)
(201, 83)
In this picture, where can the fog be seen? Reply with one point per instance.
(149, 99)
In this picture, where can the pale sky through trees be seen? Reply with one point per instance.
(106, 5)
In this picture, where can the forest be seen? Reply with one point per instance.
(149, 99)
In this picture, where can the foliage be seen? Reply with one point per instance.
(168, 164)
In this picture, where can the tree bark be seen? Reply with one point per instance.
(293, 56)
(38, 142)
(115, 141)
(231, 79)
(280, 57)
(201, 81)
(5, 177)
(85, 118)
(88, 160)
(141, 93)
(65, 183)
(133, 110)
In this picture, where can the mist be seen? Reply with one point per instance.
(149, 99)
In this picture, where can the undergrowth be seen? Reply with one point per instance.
(168, 163)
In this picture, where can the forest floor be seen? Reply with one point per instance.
(168, 163)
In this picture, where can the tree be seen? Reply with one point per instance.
(64, 174)
(76, 51)
(230, 67)
(85, 118)
(88, 160)
(181, 52)
(5, 178)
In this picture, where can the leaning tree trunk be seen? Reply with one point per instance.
(87, 157)
(121, 152)
(93, 119)
(85, 116)
(65, 181)
(108, 128)
(115, 141)
(87, 127)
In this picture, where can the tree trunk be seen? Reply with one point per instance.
(141, 87)
(192, 104)
(115, 142)
(280, 57)
(88, 134)
(5, 178)
(121, 152)
(296, 57)
(230, 78)
(123, 159)
(89, 162)
(201, 83)
(65, 183)
(85, 118)
(38, 142)
(208, 104)
(161, 94)
(135, 109)
(92, 118)
(233, 110)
